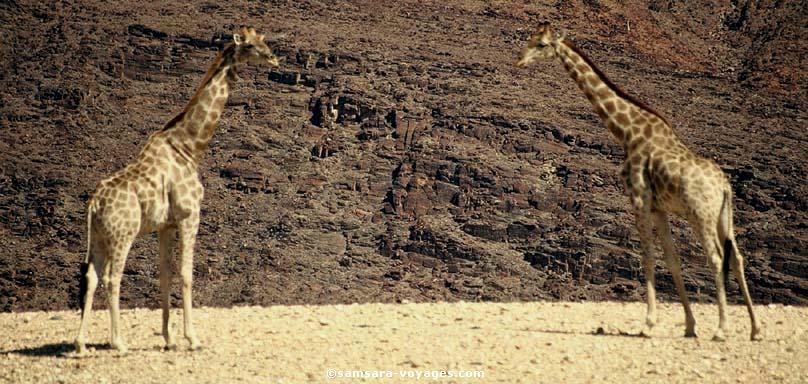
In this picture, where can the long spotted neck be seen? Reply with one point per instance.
(190, 132)
(625, 117)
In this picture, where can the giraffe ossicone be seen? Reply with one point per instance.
(160, 191)
(662, 176)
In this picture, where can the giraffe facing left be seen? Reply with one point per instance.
(160, 191)
(662, 177)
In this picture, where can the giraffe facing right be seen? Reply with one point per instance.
(160, 192)
(662, 176)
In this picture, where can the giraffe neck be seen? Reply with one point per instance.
(625, 117)
(190, 132)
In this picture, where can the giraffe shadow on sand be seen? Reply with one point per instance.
(598, 332)
(52, 349)
(65, 350)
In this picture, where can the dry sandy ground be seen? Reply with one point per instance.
(516, 342)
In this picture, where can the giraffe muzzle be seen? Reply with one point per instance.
(274, 61)
(521, 63)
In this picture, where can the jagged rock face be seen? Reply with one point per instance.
(398, 155)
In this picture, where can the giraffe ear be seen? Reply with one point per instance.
(237, 39)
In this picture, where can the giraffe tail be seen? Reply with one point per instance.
(92, 206)
(725, 230)
(728, 254)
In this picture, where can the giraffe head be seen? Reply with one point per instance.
(251, 48)
(541, 45)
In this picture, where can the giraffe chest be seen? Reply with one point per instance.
(167, 199)
(154, 204)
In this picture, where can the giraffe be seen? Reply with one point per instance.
(662, 176)
(161, 192)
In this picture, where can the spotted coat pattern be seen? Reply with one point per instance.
(160, 191)
(662, 176)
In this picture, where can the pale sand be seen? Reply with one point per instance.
(508, 342)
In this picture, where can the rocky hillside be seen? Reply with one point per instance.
(397, 153)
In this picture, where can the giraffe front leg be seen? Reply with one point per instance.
(167, 240)
(188, 229)
(641, 202)
(673, 263)
(646, 242)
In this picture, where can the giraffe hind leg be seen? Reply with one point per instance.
(91, 272)
(734, 259)
(644, 225)
(711, 243)
(187, 232)
(114, 274)
(737, 267)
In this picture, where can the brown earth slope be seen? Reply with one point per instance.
(397, 153)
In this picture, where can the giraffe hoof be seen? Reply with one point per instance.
(120, 347)
(646, 333)
(81, 349)
(691, 334)
(170, 347)
(756, 336)
(719, 337)
(195, 344)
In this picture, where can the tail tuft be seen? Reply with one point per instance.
(728, 255)
(92, 206)
(82, 285)
(725, 232)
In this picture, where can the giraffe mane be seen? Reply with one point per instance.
(617, 90)
(222, 57)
